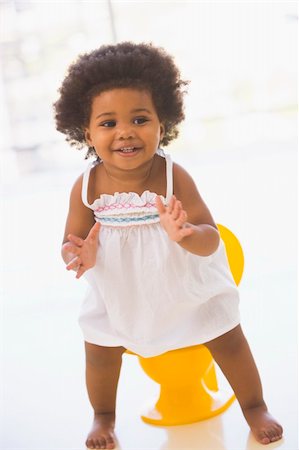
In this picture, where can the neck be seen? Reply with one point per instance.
(129, 177)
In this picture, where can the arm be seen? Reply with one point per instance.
(80, 240)
(193, 227)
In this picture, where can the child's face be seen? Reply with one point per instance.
(124, 127)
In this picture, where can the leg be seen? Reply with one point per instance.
(102, 372)
(232, 353)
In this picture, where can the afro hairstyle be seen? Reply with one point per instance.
(124, 65)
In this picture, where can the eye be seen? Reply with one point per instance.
(108, 124)
(140, 120)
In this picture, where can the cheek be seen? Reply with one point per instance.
(100, 136)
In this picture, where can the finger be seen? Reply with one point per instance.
(184, 232)
(80, 272)
(75, 239)
(159, 204)
(74, 263)
(94, 231)
(182, 219)
(69, 247)
(171, 203)
(177, 210)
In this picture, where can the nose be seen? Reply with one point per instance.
(125, 131)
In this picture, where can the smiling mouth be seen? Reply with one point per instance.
(128, 150)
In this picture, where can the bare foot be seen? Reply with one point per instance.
(263, 426)
(102, 432)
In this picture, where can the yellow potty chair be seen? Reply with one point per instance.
(190, 395)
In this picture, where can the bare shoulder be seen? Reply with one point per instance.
(80, 218)
(183, 181)
(187, 192)
(76, 189)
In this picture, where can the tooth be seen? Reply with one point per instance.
(127, 149)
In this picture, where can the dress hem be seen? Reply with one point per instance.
(149, 351)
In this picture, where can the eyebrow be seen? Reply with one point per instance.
(133, 111)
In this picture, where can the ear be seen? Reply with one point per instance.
(87, 137)
(162, 131)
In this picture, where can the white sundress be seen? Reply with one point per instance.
(147, 293)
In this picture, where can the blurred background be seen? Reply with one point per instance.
(239, 142)
(240, 57)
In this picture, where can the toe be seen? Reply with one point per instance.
(110, 442)
(272, 436)
(277, 434)
(102, 443)
(268, 436)
(98, 443)
(90, 444)
(279, 430)
(263, 438)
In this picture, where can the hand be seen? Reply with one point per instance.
(83, 250)
(173, 219)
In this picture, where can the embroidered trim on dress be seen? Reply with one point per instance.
(118, 220)
(123, 206)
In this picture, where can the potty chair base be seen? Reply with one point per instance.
(187, 413)
(186, 395)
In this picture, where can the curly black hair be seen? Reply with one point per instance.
(139, 66)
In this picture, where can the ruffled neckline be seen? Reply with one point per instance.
(132, 198)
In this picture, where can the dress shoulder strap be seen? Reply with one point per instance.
(169, 177)
(85, 183)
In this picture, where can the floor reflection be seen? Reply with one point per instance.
(206, 435)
